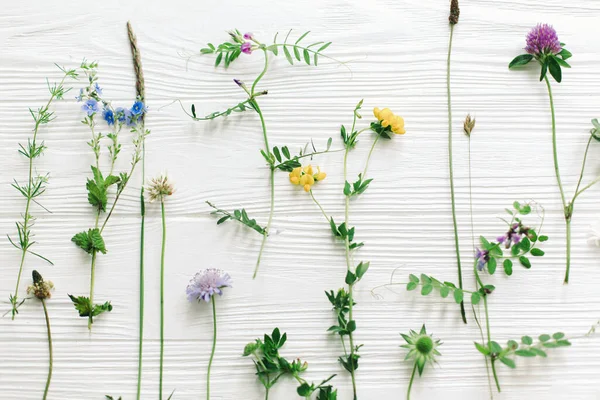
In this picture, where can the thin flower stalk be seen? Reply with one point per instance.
(203, 287)
(453, 19)
(42, 290)
(36, 184)
(141, 94)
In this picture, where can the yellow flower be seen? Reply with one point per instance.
(387, 118)
(306, 177)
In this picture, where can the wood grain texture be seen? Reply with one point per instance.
(396, 51)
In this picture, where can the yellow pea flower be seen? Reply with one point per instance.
(306, 177)
(388, 119)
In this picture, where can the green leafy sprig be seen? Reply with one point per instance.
(36, 183)
(271, 367)
(548, 61)
(237, 215)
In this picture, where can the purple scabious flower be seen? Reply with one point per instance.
(206, 284)
(90, 107)
(138, 108)
(109, 116)
(542, 39)
(246, 48)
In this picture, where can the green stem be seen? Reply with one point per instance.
(586, 187)
(162, 296)
(451, 168)
(348, 268)
(471, 195)
(568, 221)
(214, 345)
(142, 282)
(319, 205)
(50, 351)
(92, 282)
(267, 393)
(567, 209)
(587, 148)
(364, 174)
(270, 220)
(412, 378)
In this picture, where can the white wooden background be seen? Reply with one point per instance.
(397, 51)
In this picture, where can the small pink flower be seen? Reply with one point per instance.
(246, 48)
(248, 36)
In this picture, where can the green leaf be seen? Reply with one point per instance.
(288, 55)
(544, 338)
(411, 286)
(347, 189)
(277, 153)
(558, 335)
(304, 390)
(495, 347)
(491, 266)
(425, 279)
(475, 297)
(508, 362)
(444, 291)
(543, 71)
(538, 352)
(326, 45)
(482, 349)
(565, 54)
(543, 238)
(297, 54)
(361, 269)
(555, 69)
(527, 340)
(306, 56)
(350, 278)
(520, 60)
(508, 267)
(458, 296)
(90, 241)
(426, 289)
(413, 278)
(525, 262)
(537, 252)
(82, 304)
(562, 62)
(525, 353)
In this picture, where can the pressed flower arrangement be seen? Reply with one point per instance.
(42, 290)
(271, 367)
(385, 126)
(544, 47)
(277, 158)
(96, 107)
(36, 183)
(203, 287)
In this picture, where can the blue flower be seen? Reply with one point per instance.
(98, 89)
(109, 116)
(90, 107)
(80, 97)
(138, 108)
(121, 114)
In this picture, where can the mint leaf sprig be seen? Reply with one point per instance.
(271, 367)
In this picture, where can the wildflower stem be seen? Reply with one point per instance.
(162, 296)
(471, 194)
(451, 169)
(92, 282)
(319, 205)
(24, 242)
(267, 151)
(50, 350)
(412, 378)
(349, 268)
(364, 174)
(587, 148)
(214, 345)
(141, 93)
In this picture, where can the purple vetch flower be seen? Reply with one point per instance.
(238, 82)
(246, 48)
(482, 257)
(109, 116)
(248, 36)
(543, 39)
(206, 284)
(90, 107)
